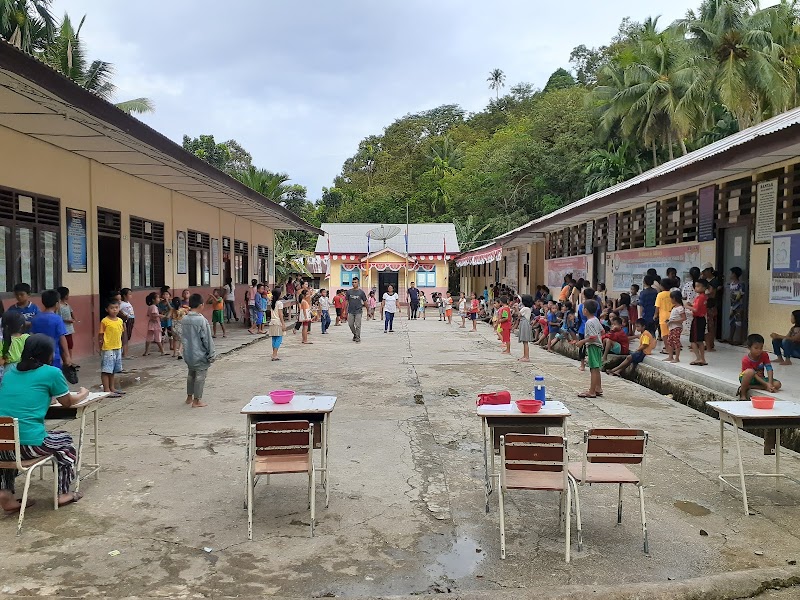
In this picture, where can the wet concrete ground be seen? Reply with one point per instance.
(406, 513)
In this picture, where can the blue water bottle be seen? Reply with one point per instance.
(538, 389)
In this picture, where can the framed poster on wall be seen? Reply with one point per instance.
(214, 256)
(766, 210)
(76, 241)
(785, 280)
(180, 254)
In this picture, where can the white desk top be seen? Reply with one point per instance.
(263, 405)
(553, 408)
(90, 399)
(783, 409)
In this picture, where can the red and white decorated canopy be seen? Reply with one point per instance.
(479, 256)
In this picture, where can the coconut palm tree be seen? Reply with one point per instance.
(468, 233)
(289, 257)
(610, 166)
(66, 54)
(270, 185)
(27, 24)
(741, 58)
(497, 80)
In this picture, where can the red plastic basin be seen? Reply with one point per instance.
(763, 402)
(281, 396)
(529, 406)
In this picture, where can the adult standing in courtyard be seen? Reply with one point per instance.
(356, 300)
(714, 297)
(389, 308)
(413, 299)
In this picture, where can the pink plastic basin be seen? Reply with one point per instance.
(529, 406)
(281, 396)
(763, 402)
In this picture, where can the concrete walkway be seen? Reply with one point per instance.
(406, 514)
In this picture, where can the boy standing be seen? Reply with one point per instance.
(697, 332)
(110, 340)
(50, 323)
(24, 306)
(593, 331)
(198, 350)
(325, 308)
(217, 302)
(337, 305)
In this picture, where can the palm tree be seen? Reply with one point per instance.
(607, 167)
(27, 24)
(445, 157)
(468, 233)
(497, 80)
(270, 185)
(741, 58)
(289, 257)
(66, 55)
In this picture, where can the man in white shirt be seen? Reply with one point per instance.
(389, 308)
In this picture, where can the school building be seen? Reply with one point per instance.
(95, 200)
(733, 203)
(387, 254)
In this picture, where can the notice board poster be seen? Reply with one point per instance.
(785, 284)
(630, 266)
(76, 241)
(556, 268)
(180, 254)
(766, 209)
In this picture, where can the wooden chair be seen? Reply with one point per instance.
(537, 462)
(607, 452)
(278, 447)
(9, 442)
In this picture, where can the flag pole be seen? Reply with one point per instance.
(408, 303)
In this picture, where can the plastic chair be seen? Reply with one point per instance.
(9, 442)
(605, 456)
(537, 462)
(278, 447)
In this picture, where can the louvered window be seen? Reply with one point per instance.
(147, 253)
(199, 245)
(240, 249)
(263, 263)
(30, 244)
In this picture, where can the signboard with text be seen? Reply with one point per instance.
(76, 241)
(766, 208)
(785, 283)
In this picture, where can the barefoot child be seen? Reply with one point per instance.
(462, 310)
(504, 323)
(153, 324)
(615, 341)
(448, 310)
(474, 307)
(110, 340)
(65, 310)
(697, 332)
(787, 347)
(198, 350)
(525, 331)
(646, 343)
(126, 309)
(593, 331)
(675, 324)
(217, 302)
(756, 369)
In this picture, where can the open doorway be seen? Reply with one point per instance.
(109, 256)
(735, 252)
(385, 280)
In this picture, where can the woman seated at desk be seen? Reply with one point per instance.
(25, 394)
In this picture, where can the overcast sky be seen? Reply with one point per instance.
(299, 83)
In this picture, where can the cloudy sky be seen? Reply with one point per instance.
(299, 83)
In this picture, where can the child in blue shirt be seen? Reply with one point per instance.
(24, 306)
(50, 323)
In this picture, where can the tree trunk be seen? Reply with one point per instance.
(683, 147)
(669, 142)
(655, 156)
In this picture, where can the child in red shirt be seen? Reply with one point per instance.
(756, 369)
(337, 305)
(697, 334)
(504, 321)
(616, 340)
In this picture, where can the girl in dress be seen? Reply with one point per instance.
(525, 331)
(153, 324)
(371, 304)
(676, 318)
(276, 325)
(304, 315)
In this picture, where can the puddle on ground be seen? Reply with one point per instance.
(460, 560)
(696, 510)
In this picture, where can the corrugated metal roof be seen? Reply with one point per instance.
(423, 238)
(770, 126)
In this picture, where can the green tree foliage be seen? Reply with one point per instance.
(207, 149)
(66, 54)
(560, 79)
(27, 24)
(497, 81)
